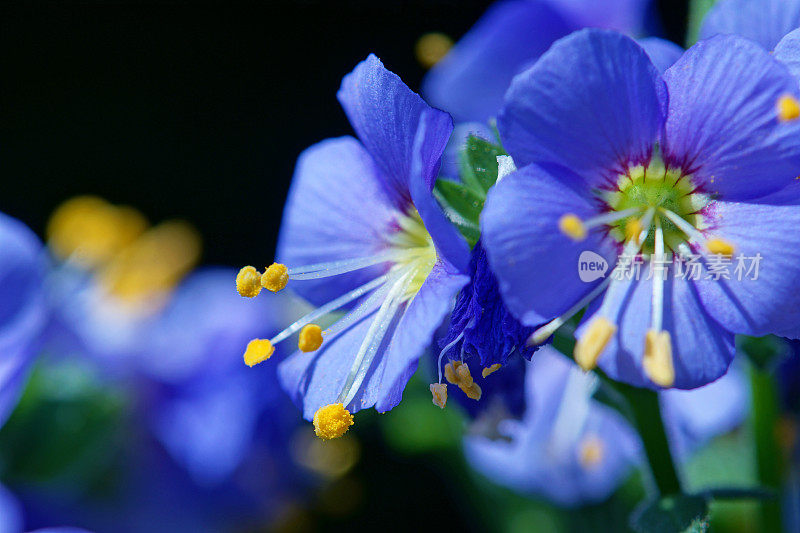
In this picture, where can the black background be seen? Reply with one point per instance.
(194, 111)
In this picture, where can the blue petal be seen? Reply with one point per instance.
(661, 52)
(593, 103)
(315, 380)
(722, 123)
(385, 115)
(627, 16)
(694, 417)
(471, 80)
(762, 21)
(536, 265)
(431, 139)
(10, 513)
(701, 349)
(22, 307)
(337, 209)
(788, 52)
(415, 332)
(765, 305)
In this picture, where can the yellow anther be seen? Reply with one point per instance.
(310, 338)
(439, 392)
(258, 351)
(720, 247)
(332, 421)
(489, 370)
(248, 282)
(463, 375)
(473, 391)
(153, 264)
(633, 229)
(788, 108)
(593, 342)
(657, 361)
(90, 231)
(450, 372)
(572, 226)
(431, 48)
(275, 277)
(591, 452)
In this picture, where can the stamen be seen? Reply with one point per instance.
(657, 311)
(374, 337)
(720, 247)
(458, 374)
(572, 226)
(448, 347)
(439, 392)
(688, 229)
(592, 451)
(788, 108)
(310, 338)
(592, 343)
(335, 268)
(544, 332)
(248, 282)
(258, 351)
(329, 307)
(275, 277)
(489, 370)
(657, 361)
(332, 421)
(633, 228)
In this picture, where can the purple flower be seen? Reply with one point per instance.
(571, 449)
(362, 229)
(658, 181)
(471, 80)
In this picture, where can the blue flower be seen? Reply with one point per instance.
(626, 165)
(362, 228)
(483, 335)
(766, 22)
(571, 449)
(22, 308)
(471, 80)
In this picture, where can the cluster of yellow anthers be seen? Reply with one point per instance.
(457, 373)
(249, 283)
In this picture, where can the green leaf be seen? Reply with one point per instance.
(462, 206)
(481, 156)
(763, 352)
(672, 514)
(698, 9)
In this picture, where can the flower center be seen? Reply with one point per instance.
(409, 255)
(669, 193)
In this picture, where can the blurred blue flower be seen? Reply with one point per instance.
(471, 80)
(23, 310)
(568, 448)
(571, 449)
(627, 174)
(766, 22)
(362, 219)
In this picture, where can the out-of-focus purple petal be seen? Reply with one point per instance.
(762, 21)
(471, 80)
(661, 52)
(627, 16)
(787, 52)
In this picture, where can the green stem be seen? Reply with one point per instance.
(768, 455)
(645, 414)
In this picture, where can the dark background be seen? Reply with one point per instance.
(190, 111)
